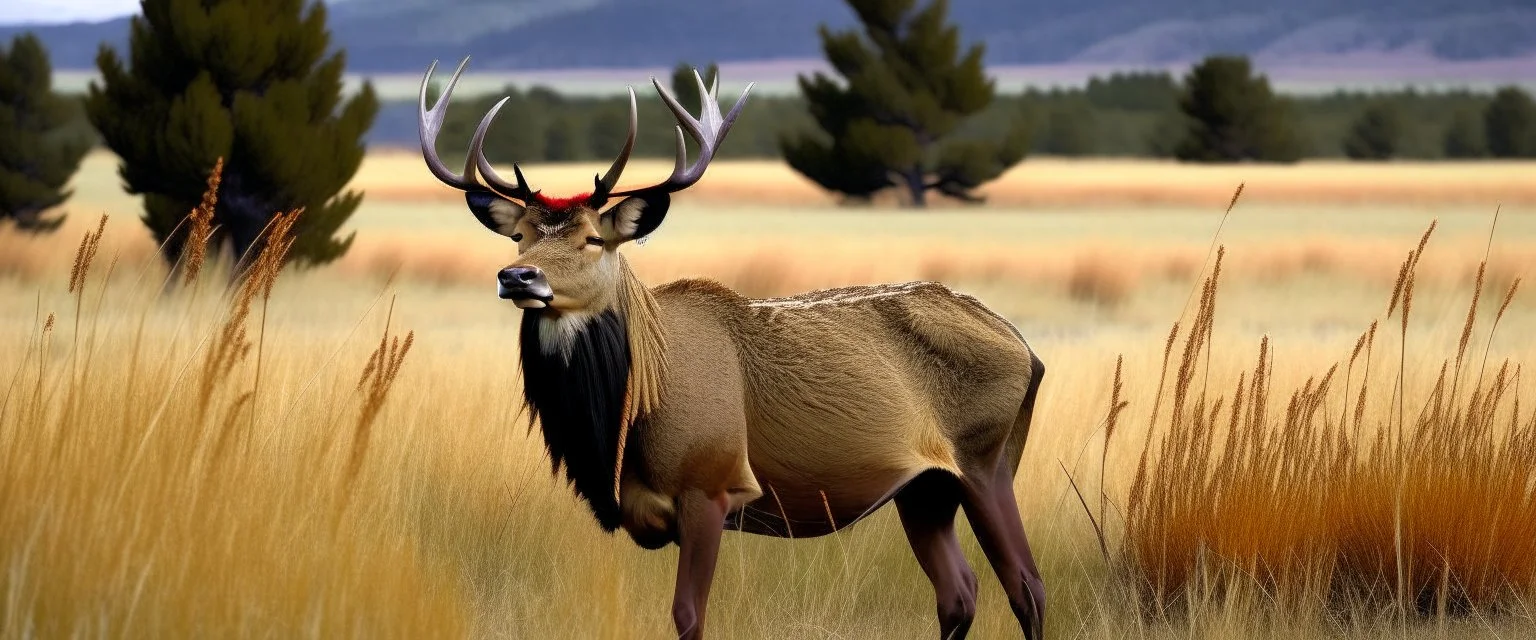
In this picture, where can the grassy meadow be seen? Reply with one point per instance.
(342, 454)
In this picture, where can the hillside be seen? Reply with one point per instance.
(397, 35)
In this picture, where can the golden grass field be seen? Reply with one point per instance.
(165, 474)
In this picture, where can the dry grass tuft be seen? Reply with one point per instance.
(124, 511)
(271, 258)
(1100, 280)
(1432, 513)
(1116, 406)
(1509, 296)
(825, 505)
(782, 515)
(196, 248)
(378, 378)
(85, 255)
(232, 344)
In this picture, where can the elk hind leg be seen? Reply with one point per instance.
(701, 520)
(927, 508)
(994, 515)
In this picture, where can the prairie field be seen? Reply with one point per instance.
(343, 454)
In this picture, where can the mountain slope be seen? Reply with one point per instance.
(397, 35)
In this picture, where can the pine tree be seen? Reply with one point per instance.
(40, 146)
(1233, 115)
(1133, 91)
(1069, 131)
(906, 87)
(1375, 135)
(1464, 136)
(563, 140)
(249, 81)
(518, 134)
(1510, 123)
(606, 126)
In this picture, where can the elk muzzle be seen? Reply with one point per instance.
(525, 286)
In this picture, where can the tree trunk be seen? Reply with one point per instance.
(916, 187)
(244, 217)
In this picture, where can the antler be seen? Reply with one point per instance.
(431, 123)
(603, 186)
(708, 131)
(519, 191)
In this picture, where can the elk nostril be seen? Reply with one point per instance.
(518, 276)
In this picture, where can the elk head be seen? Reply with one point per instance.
(567, 261)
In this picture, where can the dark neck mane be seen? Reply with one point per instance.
(591, 400)
(578, 403)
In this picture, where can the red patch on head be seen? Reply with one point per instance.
(559, 204)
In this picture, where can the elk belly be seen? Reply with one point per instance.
(824, 466)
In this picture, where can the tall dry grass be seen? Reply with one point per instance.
(152, 485)
(132, 507)
(1384, 489)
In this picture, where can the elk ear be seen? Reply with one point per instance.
(635, 217)
(495, 212)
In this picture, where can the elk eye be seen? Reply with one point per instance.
(595, 241)
(517, 237)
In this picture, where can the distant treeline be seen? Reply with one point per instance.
(1126, 115)
(1138, 115)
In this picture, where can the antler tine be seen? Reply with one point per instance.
(708, 130)
(430, 122)
(604, 185)
(709, 104)
(517, 191)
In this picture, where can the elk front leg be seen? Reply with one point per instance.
(701, 520)
(927, 508)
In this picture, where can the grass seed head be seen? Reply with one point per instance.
(89, 243)
(196, 248)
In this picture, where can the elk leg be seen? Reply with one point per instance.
(701, 520)
(928, 515)
(994, 515)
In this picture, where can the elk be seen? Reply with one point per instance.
(682, 411)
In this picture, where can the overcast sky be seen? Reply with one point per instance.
(55, 11)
